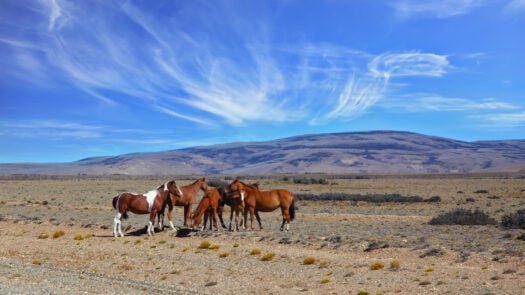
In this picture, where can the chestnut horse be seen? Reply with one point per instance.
(208, 204)
(189, 198)
(265, 201)
(150, 202)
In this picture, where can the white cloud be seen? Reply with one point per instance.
(432, 102)
(390, 65)
(433, 8)
(515, 6)
(510, 120)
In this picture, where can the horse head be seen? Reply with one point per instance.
(173, 189)
(204, 184)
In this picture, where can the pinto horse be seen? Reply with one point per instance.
(150, 202)
(209, 204)
(265, 201)
(187, 200)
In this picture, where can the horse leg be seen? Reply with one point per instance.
(151, 229)
(231, 218)
(170, 219)
(286, 219)
(258, 219)
(219, 212)
(215, 219)
(117, 225)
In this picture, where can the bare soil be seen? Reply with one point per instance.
(347, 241)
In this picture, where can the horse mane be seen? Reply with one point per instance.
(254, 186)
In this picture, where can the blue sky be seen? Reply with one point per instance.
(91, 78)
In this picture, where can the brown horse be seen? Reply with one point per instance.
(236, 206)
(208, 204)
(189, 198)
(150, 202)
(265, 201)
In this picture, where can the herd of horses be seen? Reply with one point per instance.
(242, 198)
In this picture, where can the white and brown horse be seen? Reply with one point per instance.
(151, 202)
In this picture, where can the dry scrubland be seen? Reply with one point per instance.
(57, 238)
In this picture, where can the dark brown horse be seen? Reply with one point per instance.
(150, 202)
(236, 207)
(265, 201)
(188, 199)
(209, 204)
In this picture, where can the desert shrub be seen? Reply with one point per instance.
(224, 254)
(267, 256)
(217, 182)
(58, 234)
(36, 262)
(481, 191)
(461, 216)
(309, 260)
(214, 247)
(305, 180)
(514, 220)
(43, 236)
(78, 237)
(395, 264)
(386, 198)
(325, 281)
(204, 245)
(376, 265)
(255, 251)
(362, 293)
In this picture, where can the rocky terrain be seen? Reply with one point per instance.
(57, 239)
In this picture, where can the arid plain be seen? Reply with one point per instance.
(57, 238)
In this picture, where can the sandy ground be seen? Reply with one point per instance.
(345, 241)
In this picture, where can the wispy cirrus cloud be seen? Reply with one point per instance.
(418, 102)
(514, 6)
(433, 8)
(196, 77)
(411, 64)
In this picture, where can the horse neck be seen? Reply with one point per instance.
(191, 188)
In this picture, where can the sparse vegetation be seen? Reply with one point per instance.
(204, 245)
(43, 236)
(309, 260)
(267, 256)
(376, 198)
(325, 280)
(255, 251)
(58, 234)
(514, 220)
(224, 254)
(78, 237)
(395, 265)
(461, 216)
(377, 265)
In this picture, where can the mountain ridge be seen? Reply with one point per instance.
(367, 152)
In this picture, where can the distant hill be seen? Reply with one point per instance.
(334, 153)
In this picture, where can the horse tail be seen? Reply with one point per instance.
(115, 199)
(292, 210)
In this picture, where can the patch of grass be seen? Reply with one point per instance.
(255, 251)
(163, 278)
(162, 242)
(58, 234)
(88, 236)
(214, 247)
(429, 269)
(224, 254)
(36, 262)
(78, 237)
(153, 246)
(395, 264)
(325, 280)
(43, 236)
(185, 249)
(138, 242)
(362, 293)
(204, 245)
(309, 260)
(267, 256)
(377, 265)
